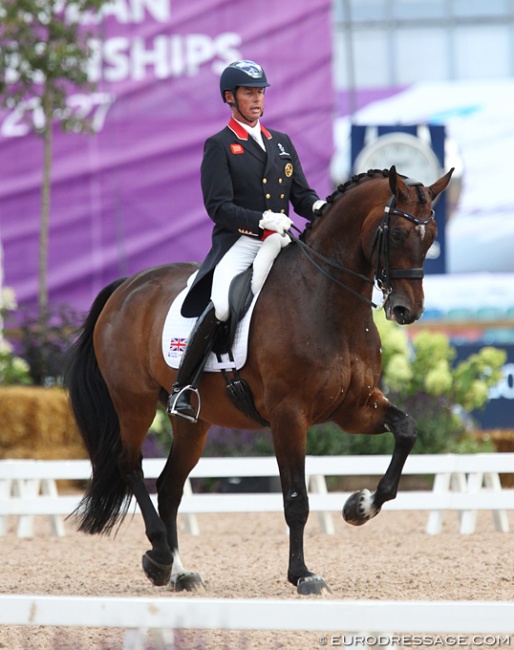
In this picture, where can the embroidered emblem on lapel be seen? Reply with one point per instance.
(237, 148)
(282, 150)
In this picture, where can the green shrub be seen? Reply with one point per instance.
(14, 370)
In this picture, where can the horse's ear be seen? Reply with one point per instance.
(436, 188)
(396, 184)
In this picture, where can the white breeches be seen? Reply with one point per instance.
(264, 259)
(236, 260)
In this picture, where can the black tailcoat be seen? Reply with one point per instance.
(239, 182)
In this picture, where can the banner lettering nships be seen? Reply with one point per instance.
(128, 196)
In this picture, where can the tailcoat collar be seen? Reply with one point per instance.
(242, 133)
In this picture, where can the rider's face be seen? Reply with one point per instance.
(250, 104)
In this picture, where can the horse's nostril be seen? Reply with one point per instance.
(401, 314)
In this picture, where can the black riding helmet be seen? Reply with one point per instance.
(242, 73)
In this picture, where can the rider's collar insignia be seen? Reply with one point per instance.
(282, 150)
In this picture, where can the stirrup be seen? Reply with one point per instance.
(171, 410)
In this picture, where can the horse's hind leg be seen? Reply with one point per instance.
(134, 424)
(157, 562)
(188, 444)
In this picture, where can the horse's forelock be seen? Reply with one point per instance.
(420, 191)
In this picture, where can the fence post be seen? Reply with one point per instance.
(435, 518)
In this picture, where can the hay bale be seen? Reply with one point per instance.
(503, 440)
(37, 422)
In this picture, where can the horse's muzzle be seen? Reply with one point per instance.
(401, 313)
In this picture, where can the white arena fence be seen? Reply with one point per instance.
(332, 620)
(466, 483)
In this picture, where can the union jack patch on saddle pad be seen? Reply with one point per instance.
(177, 344)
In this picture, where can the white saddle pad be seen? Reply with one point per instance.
(177, 330)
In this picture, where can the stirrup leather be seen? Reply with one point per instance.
(171, 410)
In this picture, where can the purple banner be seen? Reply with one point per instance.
(128, 196)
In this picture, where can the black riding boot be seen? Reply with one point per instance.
(200, 344)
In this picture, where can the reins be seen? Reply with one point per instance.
(383, 273)
(310, 253)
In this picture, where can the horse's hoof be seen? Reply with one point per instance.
(158, 574)
(312, 586)
(187, 581)
(359, 508)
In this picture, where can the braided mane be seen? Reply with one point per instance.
(341, 189)
(354, 180)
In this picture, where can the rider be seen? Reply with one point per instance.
(249, 175)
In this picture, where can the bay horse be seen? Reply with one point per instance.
(314, 356)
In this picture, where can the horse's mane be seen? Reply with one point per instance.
(371, 173)
(355, 180)
(342, 188)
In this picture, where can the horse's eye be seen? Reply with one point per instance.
(397, 235)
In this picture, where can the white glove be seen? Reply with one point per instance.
(318, 206)
(275, 221)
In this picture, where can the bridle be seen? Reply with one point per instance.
(383, 273)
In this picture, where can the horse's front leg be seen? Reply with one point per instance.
(290, 452)
(364, 505)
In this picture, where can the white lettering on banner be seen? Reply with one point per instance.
(115, 58)
(124, 11)
(155, 56)
(93, 106)
(176, 61)
(120, 58)
(228, 45)
(504, 388)
(159, 9)
(199, 49)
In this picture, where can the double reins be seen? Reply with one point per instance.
(383, 273)
(310, 253)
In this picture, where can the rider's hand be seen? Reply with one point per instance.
(317, 207)
(275, 221)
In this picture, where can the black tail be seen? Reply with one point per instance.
(107, 497)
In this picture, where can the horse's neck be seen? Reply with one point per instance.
(337, 236)
(317, 298)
